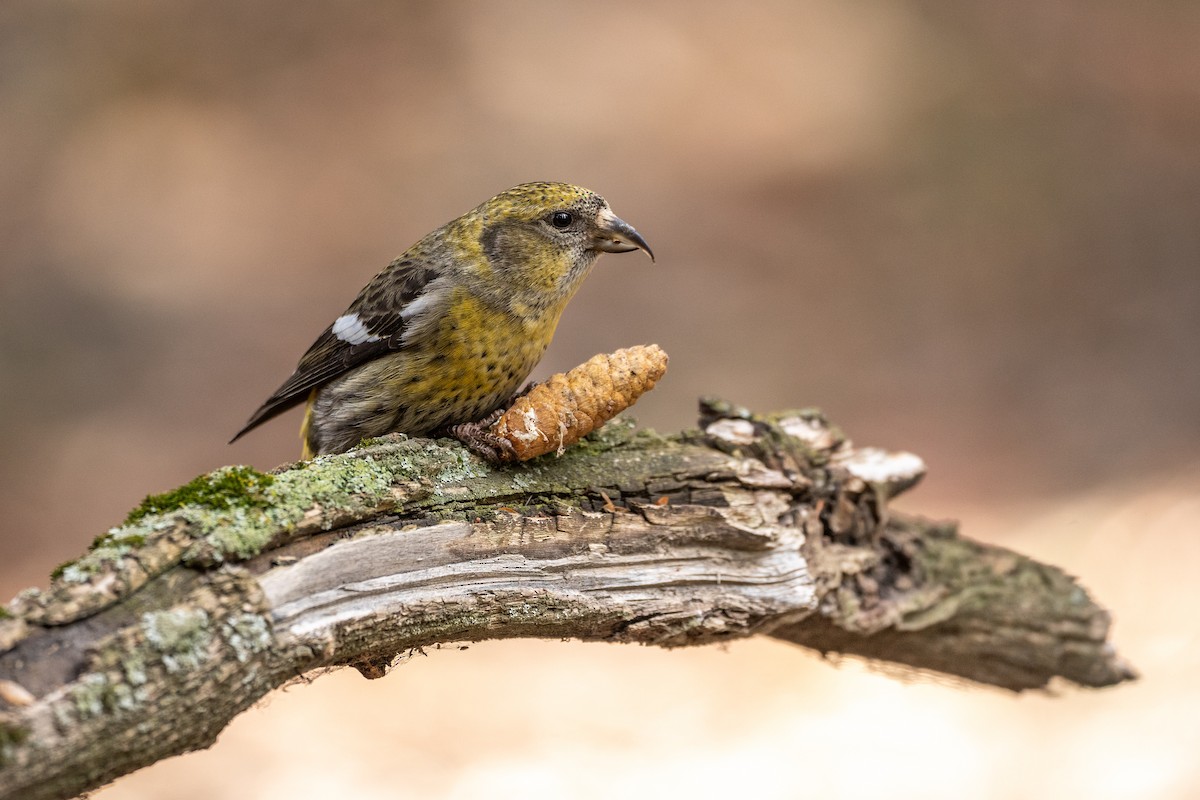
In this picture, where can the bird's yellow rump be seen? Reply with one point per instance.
(448, 332)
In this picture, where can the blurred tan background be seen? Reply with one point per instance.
(969, 230)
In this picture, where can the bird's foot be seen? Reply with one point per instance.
(478, 438)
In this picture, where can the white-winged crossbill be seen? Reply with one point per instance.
(447, 333)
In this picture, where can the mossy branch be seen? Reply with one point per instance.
(213, 595)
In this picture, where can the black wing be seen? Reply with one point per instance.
(378, 310)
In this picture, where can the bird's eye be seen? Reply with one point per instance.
(562, 219)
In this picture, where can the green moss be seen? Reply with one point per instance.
(109, 549)
(331, 482)
(229, 487)
(119, 538)
(5, 613)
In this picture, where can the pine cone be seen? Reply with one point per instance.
(556, 414)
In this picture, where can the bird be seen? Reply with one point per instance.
(442, 339)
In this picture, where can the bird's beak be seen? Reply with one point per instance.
(615, 235)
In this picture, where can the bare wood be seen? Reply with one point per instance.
(175, 623)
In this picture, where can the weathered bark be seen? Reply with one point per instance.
(177, 621)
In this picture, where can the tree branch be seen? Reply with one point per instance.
(213, 595)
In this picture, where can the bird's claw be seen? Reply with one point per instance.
(479, 439)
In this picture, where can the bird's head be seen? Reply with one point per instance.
(544, 237)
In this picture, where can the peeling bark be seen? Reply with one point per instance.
(177, 621)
